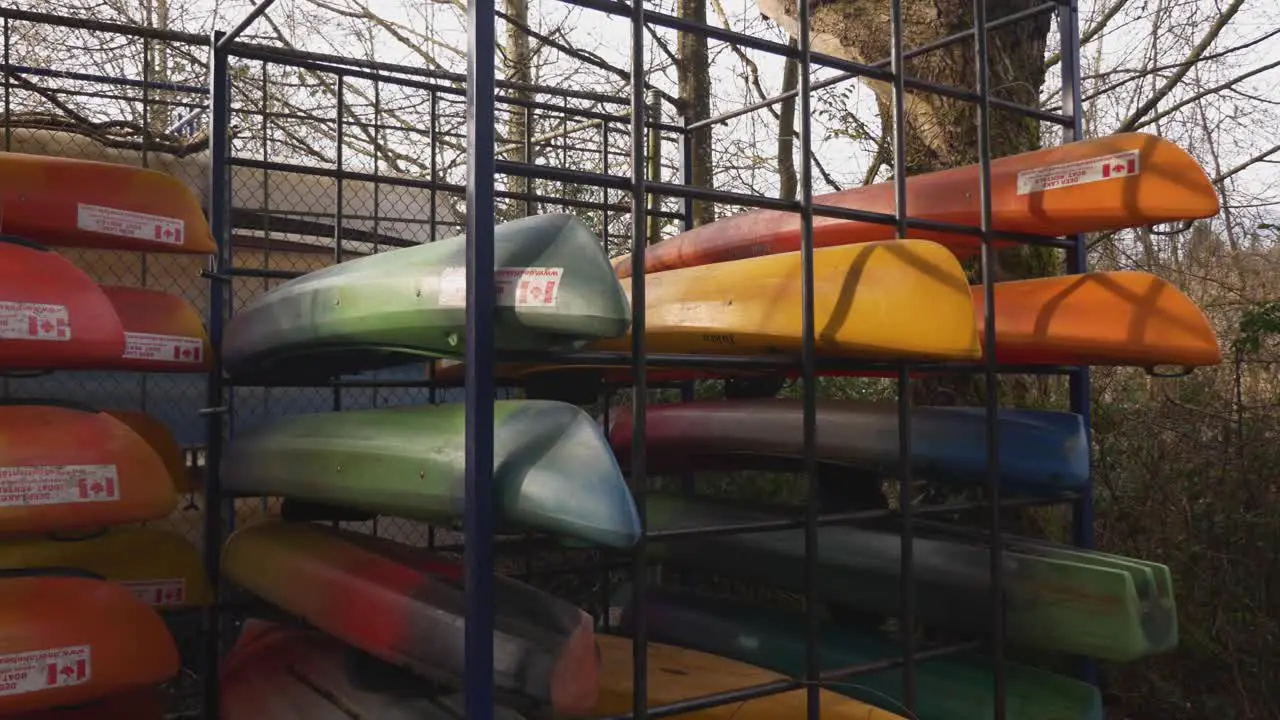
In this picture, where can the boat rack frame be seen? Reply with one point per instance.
(482, 93)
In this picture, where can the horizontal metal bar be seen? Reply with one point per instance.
(104, 79)
(332, 383)
(53, 20)
(261, 273)
(777, 687)
(850, 671)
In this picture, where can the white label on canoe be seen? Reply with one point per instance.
(516, 286)
(43, 669)
(169, 348)
(31, 485)
(130, 224)
(1080, 172)
(169, 591)
(34, 321)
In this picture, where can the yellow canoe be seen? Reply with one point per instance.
(162, 568)
(675, 674)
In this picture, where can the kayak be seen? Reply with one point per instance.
(1107, 183)
(404, 604)
(553, 469)
(555, 290)
(955, 688)
(280, 672)
(84, 203)
(144, 703)
(157, 435)
(1041, 451)
(66, 468)
(69, 640)
(1052, 604)
(162, 332)
(676, 674)
(1108, 318)
(160, 567)
(52, 315)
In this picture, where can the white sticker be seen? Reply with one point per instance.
(1080, 172)
(31, 485)
(126, 223)
(516, 286)
(171, 591)
(34, 321)
(44, 669)
(169, 348)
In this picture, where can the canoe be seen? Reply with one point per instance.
(1052, 604)
(52, 315)
(83, 203)
(676, 674)
(1041, 451)
(67, 468)
(404, 605)
(160, 567)
(157, 435)
(281, 672)
(162, 332)
(1108, 318)
(69, 640)
(1119, 181)
(955, 688)
(144, 703)
(556, 290)
(553, 469)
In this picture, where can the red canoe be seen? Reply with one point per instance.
(162, 332)
(53, 316)
(71, 202)
(1118, 181)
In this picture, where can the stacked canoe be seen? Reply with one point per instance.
(83, 582)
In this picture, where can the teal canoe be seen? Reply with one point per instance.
(556, 291)
(955, 688)
(1052, 603)
(553, 470)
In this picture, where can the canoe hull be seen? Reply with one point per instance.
(402, 605)
(143, 703)
(1064, 190)
(72, 640)
(162, 332)
(108, 206)
(408, 305)
(554, 471)
(52, 315)
(69, 469)
(1041, 451)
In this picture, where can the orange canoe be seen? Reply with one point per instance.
(162, 332)
(1117, 318)
(161, 441)
(52, 315)
(1118, 181)
(66, 641)
(144, 703)
(64, 468)
(70, 202)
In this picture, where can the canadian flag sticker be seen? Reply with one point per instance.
(170, 591)
(33, 485)
(169, 348)
(129, 224)
(37, 670)
(1082, 172)
(34, 321)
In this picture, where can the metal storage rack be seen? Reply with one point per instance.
(482, 97)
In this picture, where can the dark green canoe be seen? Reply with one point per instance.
(553, 470)
(957, 688)
(1052, 604)
(557, 290)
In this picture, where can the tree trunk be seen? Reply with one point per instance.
(519, 68)
(695, 99)
(787, 131)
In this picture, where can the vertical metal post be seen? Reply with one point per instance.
(1077, 262)
(377, 218)
(479, 521)
(220, 225)
(808, 371)
(906, 623)
(433, 141)
(8, 89)
(639, 375)
(989, 353)
(604, 191)
(686, 172)
(339, 209)
(530, 207)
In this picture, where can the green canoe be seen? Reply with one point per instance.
(955, 688)
(556, 291)
(1052, 604)
(553, 470)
